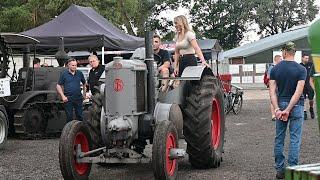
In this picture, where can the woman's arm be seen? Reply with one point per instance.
(176, 61)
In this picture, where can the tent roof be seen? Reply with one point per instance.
(270, 42)
(83, 28)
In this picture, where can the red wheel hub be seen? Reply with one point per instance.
(170, 163)
(81, 139)
(215, 124)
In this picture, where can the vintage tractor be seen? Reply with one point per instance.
(131, 111)
(32, 104)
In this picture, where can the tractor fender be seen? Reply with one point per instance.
(196, 72)
(22, 99)
(171, 112)
(177, 95)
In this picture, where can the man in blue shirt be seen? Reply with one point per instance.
(69, 89)
(287, 80)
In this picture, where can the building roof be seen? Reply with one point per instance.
(270, 43)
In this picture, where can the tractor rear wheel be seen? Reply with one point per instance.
(165, 137)
(74, 133)
(3, 129)
(204, 123)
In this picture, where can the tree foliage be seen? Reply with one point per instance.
(130, 15)
(277, 16)
(224, 20)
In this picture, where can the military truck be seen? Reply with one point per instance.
(32, 104)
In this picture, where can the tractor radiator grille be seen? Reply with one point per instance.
(140, 82)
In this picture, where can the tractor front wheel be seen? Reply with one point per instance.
(165, 138)
(74, 133)
(204, 123)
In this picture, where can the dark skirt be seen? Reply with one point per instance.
(185, 61)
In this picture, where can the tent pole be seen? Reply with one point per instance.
(102, 55)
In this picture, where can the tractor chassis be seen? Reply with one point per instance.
(120, 155)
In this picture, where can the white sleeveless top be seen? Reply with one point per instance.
(184, 46)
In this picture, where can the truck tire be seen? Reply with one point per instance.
(165, 137)
(3, 129)
(204, 123)
(74, 132)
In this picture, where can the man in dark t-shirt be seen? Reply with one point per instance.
(95, 73)
(308, 92)
(287, 80)
(162, 57)
(69, 90)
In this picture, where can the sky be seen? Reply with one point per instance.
(249, 36)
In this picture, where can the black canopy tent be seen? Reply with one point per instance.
(82, 28)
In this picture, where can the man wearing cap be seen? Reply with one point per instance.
(288, 79)
(69, 90)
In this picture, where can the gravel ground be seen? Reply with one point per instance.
(248, 151)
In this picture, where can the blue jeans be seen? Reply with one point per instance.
(295, 122)
(77, 106)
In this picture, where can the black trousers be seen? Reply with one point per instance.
(185, 61)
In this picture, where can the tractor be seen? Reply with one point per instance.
(130, 111)
(31, 104)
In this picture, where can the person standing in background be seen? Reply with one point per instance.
(308, 92)
(276, 60)
(95, 73)
(69, 89)
(36, 63)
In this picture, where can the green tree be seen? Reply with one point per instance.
(225, 20)
(130, 15)
(15, 19)
(277, 16)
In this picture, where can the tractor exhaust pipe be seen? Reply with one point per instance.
(151, 101)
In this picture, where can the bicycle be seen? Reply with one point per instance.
(233, 100)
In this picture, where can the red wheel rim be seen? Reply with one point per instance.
(215, 124)
(170, 164)
(81, 139)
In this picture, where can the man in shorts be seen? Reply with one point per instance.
(162, 57)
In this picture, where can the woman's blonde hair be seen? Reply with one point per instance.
(184, 21)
